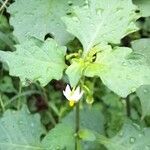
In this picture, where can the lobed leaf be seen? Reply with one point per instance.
(102, 20)
(35, 60)
(121, 67)
(40, 17)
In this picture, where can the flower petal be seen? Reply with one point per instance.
(68, 89)
(65, 94)
(79, 96)
(77, 91)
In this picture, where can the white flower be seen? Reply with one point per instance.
(72, 95)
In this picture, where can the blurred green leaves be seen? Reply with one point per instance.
(131, 137)
(20, 130)
(63, 135)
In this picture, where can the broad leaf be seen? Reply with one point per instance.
(144, 6)
(131, 137)
(102, 20)
(35, 60)
(40, 17)
(142, 47)
(20, 130)
(144, 94)
(63, 135)
(121, 67)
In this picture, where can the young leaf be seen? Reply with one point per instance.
(63, 135)
(35, 60)
(121, 67)
(74, 72)
(40, 17)
(131, 137)
(144, 94)
(102, 20)
(144, 6)
(20, 130)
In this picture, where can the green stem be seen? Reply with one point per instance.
(49, 112)
(51, 118)
(19, 93)
(2, 104)
(77, 126)
(128, 107)
(23, 94)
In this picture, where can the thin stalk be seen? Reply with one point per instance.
(128, 106)
(4, 5)
(19, 93)
(2, 104)
(49, 112)
(77, 121)
(51, 118)
(23, 94)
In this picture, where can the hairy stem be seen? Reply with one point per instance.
(77, 126)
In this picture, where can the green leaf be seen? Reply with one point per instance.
(102, 20)
(40, 17)
(63, 135)
(74, 72)
(144, 94)
(121, 67)
(4, 25)
(35, 60)
(87, 135)
(142, 47)
(6, 38)
(144, 6)
(20, 130)
(146, 25)
(131, 137)
(6, 85)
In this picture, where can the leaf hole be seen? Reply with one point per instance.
(48, 35)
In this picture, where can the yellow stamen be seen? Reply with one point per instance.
(71, 103)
